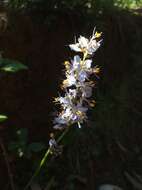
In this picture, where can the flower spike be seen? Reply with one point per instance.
(77, 85)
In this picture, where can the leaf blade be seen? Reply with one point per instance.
(9, 65)
(3, 118)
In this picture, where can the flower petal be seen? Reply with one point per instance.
(87, 63)
(83, 42)
(75, 47)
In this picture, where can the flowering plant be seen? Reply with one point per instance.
(77, 85)
(77, 89)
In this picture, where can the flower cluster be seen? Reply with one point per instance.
(77, 85)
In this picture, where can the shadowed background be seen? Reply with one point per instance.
(37, 34)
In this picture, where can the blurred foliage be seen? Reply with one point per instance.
(3, 118)
(21, 146)
(73, 4)
(9, 65)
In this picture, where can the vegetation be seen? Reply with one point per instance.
(108, 148)
(73, 4)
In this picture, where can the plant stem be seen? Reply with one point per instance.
(38, 168)
(43, 160)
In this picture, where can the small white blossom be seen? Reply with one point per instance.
(87, 64)
(72, 93)
(76, 62)
(52, 143)
(59, 120)
(75, 47)
(67, 113)
(83, 42)
(82, 76)
(63, 100)
(86, 45)
(71, 80)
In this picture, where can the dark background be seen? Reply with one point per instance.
(110, 144)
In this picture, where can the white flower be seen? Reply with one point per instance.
(75, 47)
(72, 93)
(76, 62)
(82, 76)
(66, 114)
(52, 143)
(83, 42)
(85, 45)
(71, 80)
(93, 46)
(63, 118)
(87, 64)
(63, 100)
(59, 120)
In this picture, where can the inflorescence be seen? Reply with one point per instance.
(77, 86)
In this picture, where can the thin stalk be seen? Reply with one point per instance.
(43, 160)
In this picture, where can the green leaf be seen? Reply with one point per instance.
(3, 118)
(9, 65)
(36, 147)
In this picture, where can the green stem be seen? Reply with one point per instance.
(46, 155)
(38, 168)
(63, 134)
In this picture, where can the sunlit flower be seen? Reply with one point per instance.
(52, 143)
(55, 149)
(76, 62)
(64, 101)
(71, 80)
(77, 84)
(72, 93)
(59, 120)
(87, 64)
(86, 45)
